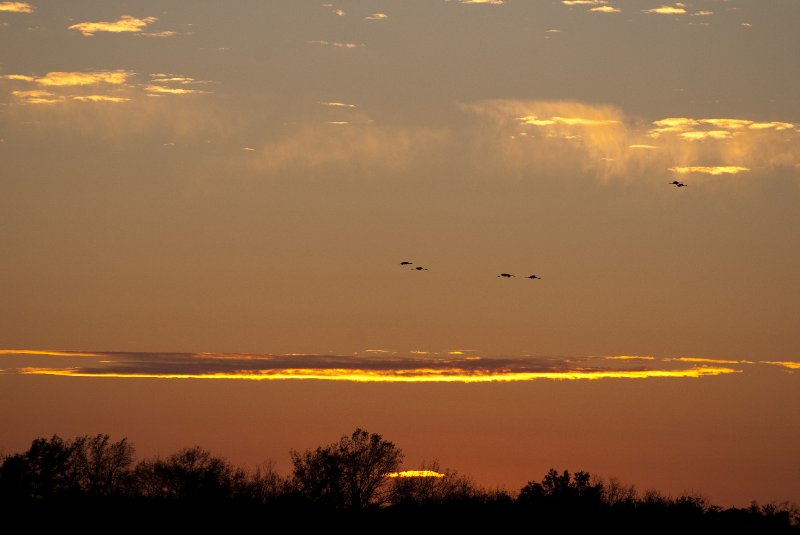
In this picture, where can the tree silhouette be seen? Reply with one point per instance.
(349, 474)
(101, 467)
(192, 474)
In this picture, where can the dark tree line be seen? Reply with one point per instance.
(92, 479)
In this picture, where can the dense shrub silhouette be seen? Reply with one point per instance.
(91, 481)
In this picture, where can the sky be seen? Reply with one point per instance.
(197, 190)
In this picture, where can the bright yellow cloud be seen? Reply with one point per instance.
(785, 364)
(416, 473)
(677, 9)
(606, 9)
(100, 98)
(37, 96)
(731, 124)
(715, 170)
(19, 77)
(377, 16)
(126, 24)
(16, 7)
(452, 375)
(647, 147)
(705, 134)
(163, 90)
(60, 79)
(583, 2)
(777, 125)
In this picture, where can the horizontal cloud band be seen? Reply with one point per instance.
(370, 367)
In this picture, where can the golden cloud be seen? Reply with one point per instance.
(416, 473)
(602, 140)
(377, 16)
(19, 77)
(16, 7)
(384, 368)
(705, 134)
(83, 78)
(677, 9)
(126, 24)
(606, 9)
(790, 365)
(583, 2)
(163, 90)
(37, 96)
(100, 98)
(715, 170)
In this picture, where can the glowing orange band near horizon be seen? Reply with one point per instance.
(415, 473)
(394, 376)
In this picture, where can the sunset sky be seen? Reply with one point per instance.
(226, 190)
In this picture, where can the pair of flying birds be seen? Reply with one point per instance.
(503, 275)
(678, 184)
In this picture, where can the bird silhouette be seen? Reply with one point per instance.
(506, 275)
(678, 184)
(420, 268)
(405, 263)
(533, 277)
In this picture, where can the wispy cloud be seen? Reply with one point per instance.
(98, 86)
(37, 96)
(491, 2)
(377, 16)
(74, 78)
(337, 44)
(602, 139)
(712, 170)
(172, 84)
(338, 104)
(583, 2)
(789, 365)
(125, 24)
(372, 367)
(606, 9)
(16, 7)
(100, 98)
(677, 9)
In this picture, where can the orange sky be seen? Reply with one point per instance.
(213, 179)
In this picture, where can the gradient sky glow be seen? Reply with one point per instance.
(198, 189)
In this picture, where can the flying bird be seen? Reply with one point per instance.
(406, 263)
(506, 275)
(420, 268)
(533, 277)
(678, 184)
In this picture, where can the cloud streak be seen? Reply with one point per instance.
(125, 24)
(370, 367)
(16, 7)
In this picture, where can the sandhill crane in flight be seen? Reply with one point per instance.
(505, 275)
(406, 263)
(678, 184)
(420, 268)
(533, 277)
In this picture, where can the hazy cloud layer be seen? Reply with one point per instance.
(371, 366)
